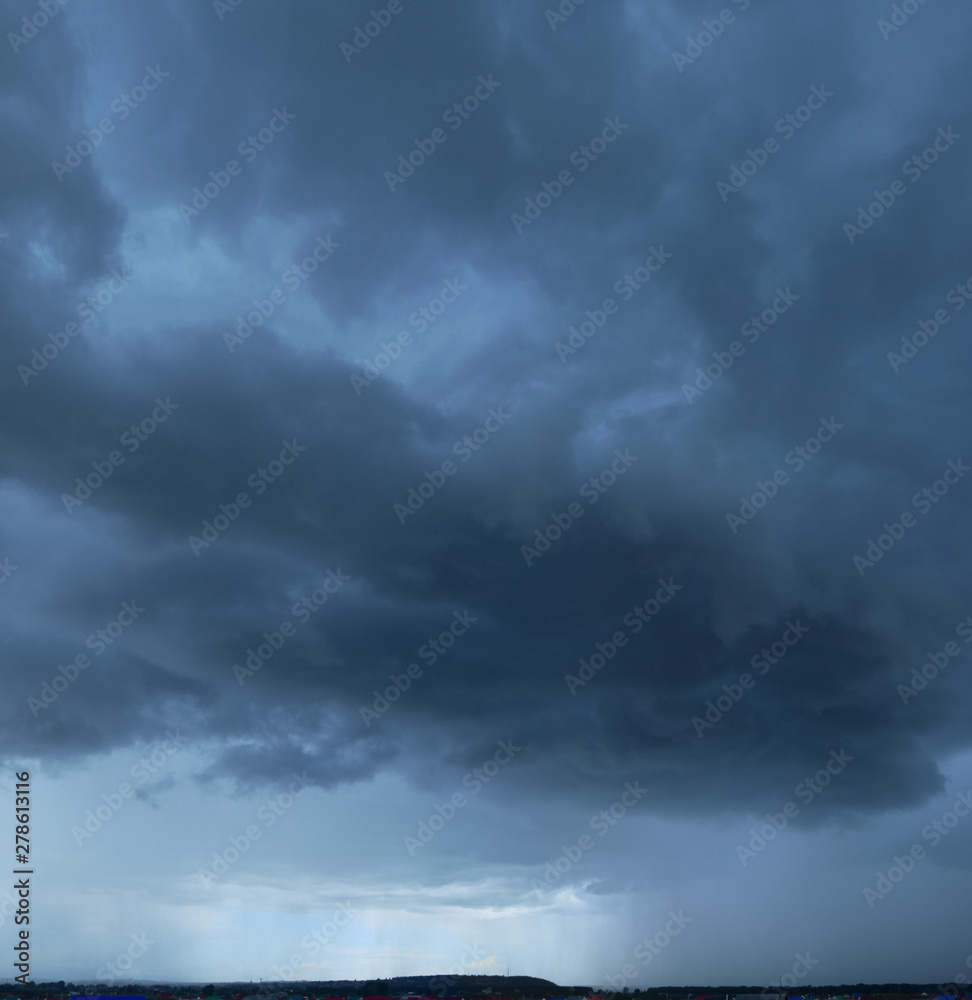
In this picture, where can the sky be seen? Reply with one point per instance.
(484, 487)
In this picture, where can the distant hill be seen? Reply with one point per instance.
(442, 985)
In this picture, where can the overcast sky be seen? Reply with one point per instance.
(517, 459)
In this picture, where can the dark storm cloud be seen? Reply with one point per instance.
(665, 519)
